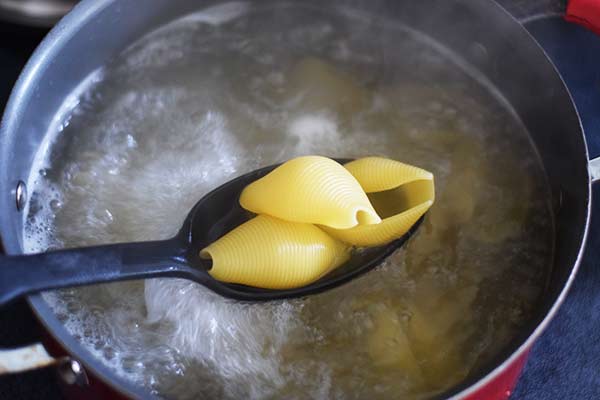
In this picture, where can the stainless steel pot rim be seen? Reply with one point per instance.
(57, 38)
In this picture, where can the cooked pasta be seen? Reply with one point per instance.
(311, 189)
(376, 174)
(400, 193)
(296, 238)
(271, 253)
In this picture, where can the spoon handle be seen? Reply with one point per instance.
(26, 274)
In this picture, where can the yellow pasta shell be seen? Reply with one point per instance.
(388, 230)
(311, 189)
(400, 193)
(270, 253)
(376, 174)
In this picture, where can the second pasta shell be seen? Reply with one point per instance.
(400, 193)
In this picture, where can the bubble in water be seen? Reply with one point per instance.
(55, 204)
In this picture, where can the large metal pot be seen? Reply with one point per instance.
(481, 32)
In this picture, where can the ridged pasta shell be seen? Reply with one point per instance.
(311, 189)
(376, 174)
(270, 253)
(400, 193)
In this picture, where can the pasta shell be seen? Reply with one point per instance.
(270, 253)
(311, 189)
(376, 174)
(400, 193)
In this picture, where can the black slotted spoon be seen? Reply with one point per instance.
(213, 216)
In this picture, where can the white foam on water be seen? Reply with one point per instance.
(313, 131)
(37, 237)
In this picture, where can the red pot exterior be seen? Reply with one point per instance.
(501, 387)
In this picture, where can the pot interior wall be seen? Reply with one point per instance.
(506, 56)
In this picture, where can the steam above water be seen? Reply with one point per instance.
(218, 94)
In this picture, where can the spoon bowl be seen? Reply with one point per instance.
(213, 216)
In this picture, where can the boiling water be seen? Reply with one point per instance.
(223, 92)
